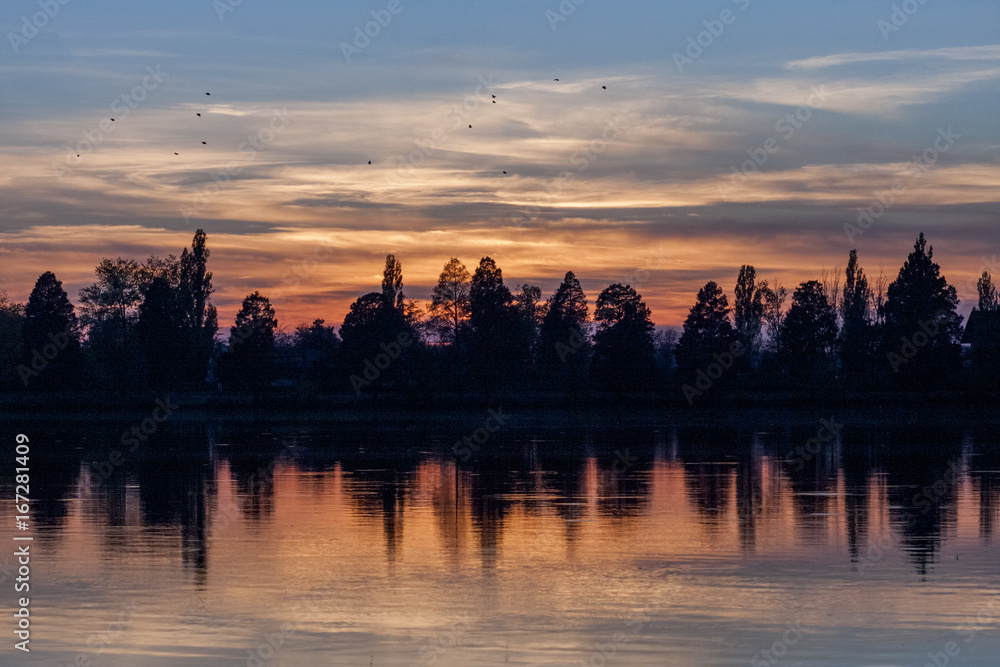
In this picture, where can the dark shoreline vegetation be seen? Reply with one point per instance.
(149, 330)
(905, 433)
(277, 403)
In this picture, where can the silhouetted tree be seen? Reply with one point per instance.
(249, 361)
(377, 333)
(489, 298)
(748, 309)
(200, 316)
(772, 299)
(921, 326)
(529, 314)
(361, 333)
(450, 301)
(316, 337)
(375, 337)
(563, 336)
(362, 319)
(854, 343)
(154, 321)
(195, 280)
(809, 331)
(392, 283)
(498, 344)
(987, 293)
(666, 342)
(116, 295)
(564, 348)
(707, 330)
(983, 332)
(161, 333)
(109, 311)
(623, 342)
(11, 343)
(317, 345)
(50, 337)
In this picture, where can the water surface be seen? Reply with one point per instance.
(564, 540)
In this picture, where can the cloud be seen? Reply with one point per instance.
(595, 203)
(959, 53)
(879, 96)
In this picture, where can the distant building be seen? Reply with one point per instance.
(982, 334)
(983, 329)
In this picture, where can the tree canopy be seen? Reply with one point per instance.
(151, 324)
(623, 342)
(707, 329)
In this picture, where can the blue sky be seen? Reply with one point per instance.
(653, 193)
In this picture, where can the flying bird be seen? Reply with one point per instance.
(204, 143)
(369, 161)
(199, 115)
(112, 120)
(494, 97)
(176, 153)
(505, 172)
(209, 94)
(470, 127)
(555, 79)
(604, 87)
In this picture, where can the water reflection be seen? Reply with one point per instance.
(242, 510)
(707, 481)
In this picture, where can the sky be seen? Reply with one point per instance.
(681, 140)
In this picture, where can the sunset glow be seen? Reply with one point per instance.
(614, 170)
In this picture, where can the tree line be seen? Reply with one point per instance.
(151, 325)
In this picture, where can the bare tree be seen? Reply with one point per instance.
(450, 303)
(878, 297)
(392, 283)
(987, 293)
(772, 299)
(830, 280)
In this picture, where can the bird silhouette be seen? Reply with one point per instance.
(204, 143)
(470, 127)
(199, 115)
(176, 153)
(112, 120)
(555, 79)
(505, 172)
(604, 87)
(209, 94)
(369, 161)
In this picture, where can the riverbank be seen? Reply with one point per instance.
(537, 407)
